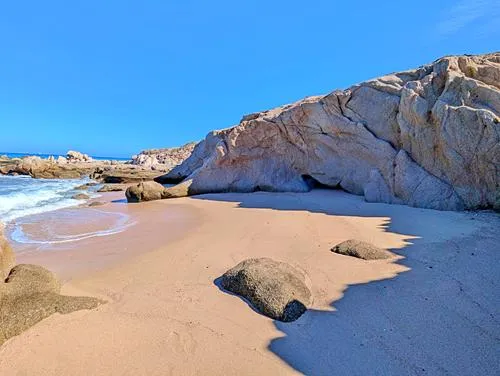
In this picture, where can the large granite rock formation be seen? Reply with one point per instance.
(163, 159)
(428, 137)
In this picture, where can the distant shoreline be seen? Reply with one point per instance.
(45, 156)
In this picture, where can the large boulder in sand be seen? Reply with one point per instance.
(145, 191)
(274, 288)
(30, 294)
(362, 250)
(6, 255)
(428, 137)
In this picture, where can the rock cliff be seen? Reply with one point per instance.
(428, 137)
(163, 159)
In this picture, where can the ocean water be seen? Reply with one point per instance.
(22, 195)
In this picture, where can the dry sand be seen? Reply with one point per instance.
(432, 312)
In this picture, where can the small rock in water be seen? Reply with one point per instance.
(274, 288)
(362, 250)
(80, 196)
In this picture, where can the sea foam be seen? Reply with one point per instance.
(21, 196)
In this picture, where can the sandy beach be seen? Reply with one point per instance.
(431, 311)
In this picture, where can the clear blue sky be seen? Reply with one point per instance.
(113, 77)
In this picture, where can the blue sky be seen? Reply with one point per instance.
(113, 77)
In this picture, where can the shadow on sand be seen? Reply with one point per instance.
(439, 318)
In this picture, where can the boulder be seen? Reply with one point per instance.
(145, 191)
(274, 288)
(112, 188)
(76, 156)
(27, 278)
(80, 196)
(427, 137)
(7, 258)
(362, 250)
(30, 294)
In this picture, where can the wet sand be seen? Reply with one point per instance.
(431, 312)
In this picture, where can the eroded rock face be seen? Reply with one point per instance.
(163, 159)
(428, 137)
(31, 293)
(274, 288)
(362, 250)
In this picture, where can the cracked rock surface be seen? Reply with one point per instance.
(428, 137)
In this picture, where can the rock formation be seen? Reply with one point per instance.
(428, 137)
(73, 168)
(112, 188)
(362, 250)
(146, 191)
(274, 288)
(163, 159)
(76, 156)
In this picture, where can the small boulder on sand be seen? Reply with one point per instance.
(30, 294)
(362, 250)
(145, 191)
(274, 288)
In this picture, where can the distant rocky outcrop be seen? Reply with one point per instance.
(76, 156)
(428, 137)
(274, 288)
(362, 250)
(163, 159)
(77, 165)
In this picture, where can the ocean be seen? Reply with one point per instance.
(22, 195)
(26, 202)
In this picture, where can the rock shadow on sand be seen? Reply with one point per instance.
(437, 318)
